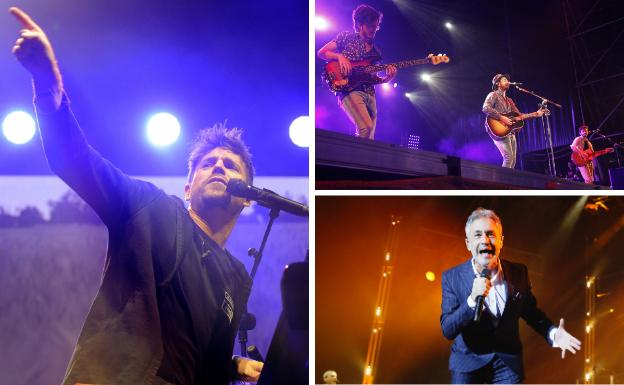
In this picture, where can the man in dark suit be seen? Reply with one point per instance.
(489, 350)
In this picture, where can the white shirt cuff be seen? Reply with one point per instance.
(471, 303)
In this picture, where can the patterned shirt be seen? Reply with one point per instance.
(353, 47)
(496, 104)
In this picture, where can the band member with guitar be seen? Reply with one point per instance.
(359, 104)
(504, 119)
(583, 154)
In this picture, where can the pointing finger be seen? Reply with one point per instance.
(24, 19)
(563, 353)
(561, 323)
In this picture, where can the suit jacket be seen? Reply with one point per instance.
(476, 343)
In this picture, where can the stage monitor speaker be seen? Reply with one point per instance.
(617, 178)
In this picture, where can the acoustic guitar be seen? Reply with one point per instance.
(364, 72)
(498, 130)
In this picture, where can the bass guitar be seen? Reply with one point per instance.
(364, 72)
(580, 160)
(498, 130)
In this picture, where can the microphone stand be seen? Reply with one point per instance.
(248, 320)
(616, 146)
(546, 125)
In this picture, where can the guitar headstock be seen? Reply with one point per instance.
(439, 58)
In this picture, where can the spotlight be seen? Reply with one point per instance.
(301, 131)
(321, 23)
(425, 78)
(163, 129)
(448, 25)
(395, 85)
(385, 86)
(430, 275)
(18, 127)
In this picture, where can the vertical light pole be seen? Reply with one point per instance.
(381, 305)
(590, 330)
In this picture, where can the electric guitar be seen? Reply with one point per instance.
(498, 130)
(364, 72)
(580, 161)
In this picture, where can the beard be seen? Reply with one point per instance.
(221, 199)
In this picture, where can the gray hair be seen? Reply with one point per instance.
(481, 212)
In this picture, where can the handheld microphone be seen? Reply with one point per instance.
(254, 353)
(515, 84)
(480, 299)
(266, 198)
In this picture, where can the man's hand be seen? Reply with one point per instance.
(480, 286)
(345, 65)
(540, 112)
(391, 72)
(248, 369)
(565, 341)
(34, 51)
(506, 121)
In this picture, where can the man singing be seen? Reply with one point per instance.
(489, 350)
(359, 104)
(495, 105)
(171, 298)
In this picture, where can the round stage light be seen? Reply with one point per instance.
(430, 275)
(163, 129)
(425, 77)
(301, 131)
(321, 23)
(448, 25)
(18, 127)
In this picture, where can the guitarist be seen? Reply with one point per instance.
(359, 104)
(496, 104)
(582, 146)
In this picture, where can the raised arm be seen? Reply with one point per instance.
(112, 194)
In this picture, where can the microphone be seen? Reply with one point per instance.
(266, 198)
(479, 308)
(254, 353)
(515, 84)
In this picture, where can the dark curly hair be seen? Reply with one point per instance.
(365, 14)
(219, 136)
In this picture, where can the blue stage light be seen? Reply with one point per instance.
(301, 131)
(163, 129)
(321, 23)
(18, 127)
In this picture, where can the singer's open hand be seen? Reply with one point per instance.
(566, 341)
(248, 369)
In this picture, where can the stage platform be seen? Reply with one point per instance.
(344, 162)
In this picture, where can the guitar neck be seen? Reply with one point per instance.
(400, 64)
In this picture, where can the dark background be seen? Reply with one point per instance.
(527, 39)
(555, 237)
(241, 61)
